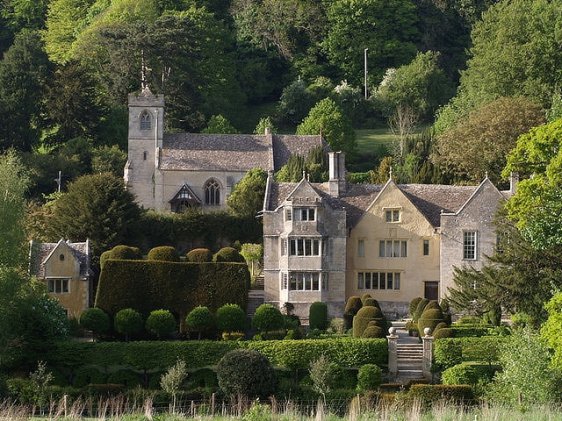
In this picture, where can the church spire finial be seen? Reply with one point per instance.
(144, 79)
(390, 173)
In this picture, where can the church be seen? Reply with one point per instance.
(176, 171)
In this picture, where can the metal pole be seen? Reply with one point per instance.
(366, 93)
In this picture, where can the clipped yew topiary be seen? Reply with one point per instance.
(231, 318)
(161, 323)
(96, 320)
(369, 377)
(200, 320)
(373, 331)
(364, 297)
(371, 302)
(352, 306)
(362, 319)
(164, 254)
(441, 325)
(200, 255)
(419, 309)
(120, 252)
(228, 254)
(430, 318)
(245, 372)
(128, 322)
(318, 315)
(444, 332)
(413, 305)
(433, 305)
(267, 318)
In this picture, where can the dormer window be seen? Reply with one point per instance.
(305, 214)
(145, 121)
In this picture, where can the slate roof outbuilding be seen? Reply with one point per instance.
(40, 251)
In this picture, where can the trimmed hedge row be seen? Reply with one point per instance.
(469, 373)
(156, 355)
(428, 394)
(452, 351)
(179, 287)
(460, 331)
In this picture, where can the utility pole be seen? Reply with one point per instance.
(366, 93)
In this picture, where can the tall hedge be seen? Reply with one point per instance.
(318, 315)
(180, 287)
(157, 355)
(452, 351)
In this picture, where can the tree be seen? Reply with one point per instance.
(480, 143)
(172, 380)
(23, 72)
(550, 330)
(420, 85)
(160, 323)
(108, 159)
(245, 372)
(323, 375)
(525, 379)
(263, 124)
(386, 27)
(200, 320)
(231, 318)
(536, 202)
(253, 254)
(327, 119)
(515, 51)
(128, 322)
(96, 320)
(96, 207)
(267, 318)
(13, 185)
(295, 102)
(219, 124)
(246, 199)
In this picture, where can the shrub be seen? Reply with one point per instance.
(427, 394)
(364, 297)
(164, 253)
(291, 322)
(318, 315)
(373, 332)
(128, 322)
(323, 375)
(161, 323)
(247, 373)
(96, 320)
(233, 336)
(439, 326)
(200, 255)
(267, 317)
(362, 319)
(453, 351)
(120, 252)
(433, 305)
(442, 333)
(228, 254)
(127, 378)
(413, 305)
(465, 331)
(444, 304)
(368, 378)
(337, 325)
(200, 320)
(429, 319)
(231, 318)
(88, 375)
(469, 373)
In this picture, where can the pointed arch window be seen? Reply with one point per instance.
(145, 120)
(212, 193)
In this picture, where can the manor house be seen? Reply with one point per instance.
(329, 241)
(176, 171)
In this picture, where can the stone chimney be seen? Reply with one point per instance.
(513, 181)
(267, 131)
(337, 183)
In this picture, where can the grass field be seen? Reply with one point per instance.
(371, 140)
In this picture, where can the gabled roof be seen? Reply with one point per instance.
(185, 193)
(429, 199)
(232, 152)
(39, 254)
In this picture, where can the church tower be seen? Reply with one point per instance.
(146, 133)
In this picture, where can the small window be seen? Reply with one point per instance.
(305, 214)
(325, 281)
(361, 248)
(283, 247)
(144, 155)
(288, 214)
(368, 280)
(392, 215)
(397, 280)
(393, 248)
(360, 281)
(469, 245)
(61, 257)
(426, 247)
(58, 286)
(145, 121)
(284, 281)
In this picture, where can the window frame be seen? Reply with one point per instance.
(361, 247)
(212, 190)
(393, 215)
(379, 280)
(58, 285)
(304, 246)
(470, 245)
(393, 249)
(304, 214)
(145, 121)
(305, 281)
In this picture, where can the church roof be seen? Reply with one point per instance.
(430, 199)
(232, 152)
(40, 252)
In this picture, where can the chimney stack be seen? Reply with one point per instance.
(513, 181)
(337, 183)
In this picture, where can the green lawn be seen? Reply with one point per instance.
(369, 140)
